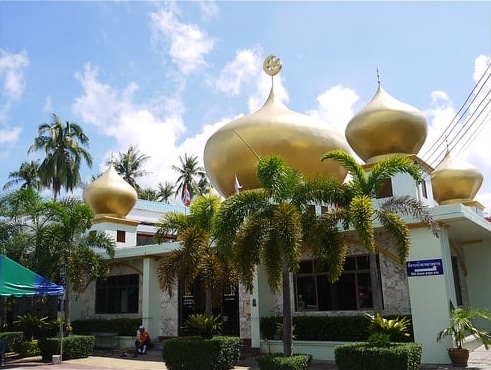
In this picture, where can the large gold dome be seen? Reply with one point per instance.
(110, 195)
(386, 126)
(454, 181)
(299, 139)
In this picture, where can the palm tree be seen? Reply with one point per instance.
(74, 253)
(197, 257)
(147, 194)
(63, 146)
(265, 226)
(27, 174)
(355, 208)
(129, 165)
(190, 173)
(165, 191)
(51, 238)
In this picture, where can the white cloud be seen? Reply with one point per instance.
(335, 106)
(187, 44)
(209, 9)
(10, 136)
(12, 67)
(242, 70)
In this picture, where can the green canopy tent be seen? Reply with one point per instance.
(17, 280)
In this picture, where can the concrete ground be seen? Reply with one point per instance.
(480, 359)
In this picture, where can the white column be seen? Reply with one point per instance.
(151, 297)
(431, 289)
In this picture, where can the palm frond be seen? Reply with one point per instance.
(407, 205)
(360, 215)
(388, 167)
(397, 230)
(348, 162)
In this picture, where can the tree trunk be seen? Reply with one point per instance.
(287, 313)
(208, 306)
(375, 282)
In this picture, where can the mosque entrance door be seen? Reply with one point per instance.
(193, 301)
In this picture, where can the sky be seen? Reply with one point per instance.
(164, 76)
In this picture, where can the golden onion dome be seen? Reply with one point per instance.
(110, 195)
(454, 181)
(386, 126)
(301, 140)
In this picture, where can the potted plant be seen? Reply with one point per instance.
(460, 326)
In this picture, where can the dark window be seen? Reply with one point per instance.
(117, 294)
(424, 191)
(456, 280)
(352, 291)
(144, 239)
(386, 190)
(120, 236)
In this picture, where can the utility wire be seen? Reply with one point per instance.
(439, 148)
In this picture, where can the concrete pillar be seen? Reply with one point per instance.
(431, 290)
(151, 296)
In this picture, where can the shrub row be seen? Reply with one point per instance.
(365, 356)
(191, 353)
(278, 362)
(74, 346)
(122, 326)
(325, 328)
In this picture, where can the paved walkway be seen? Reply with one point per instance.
(480, 359)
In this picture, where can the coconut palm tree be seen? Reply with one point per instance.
(129, 165)
(197, 257)
(64, 148)
(165, 191)
(27, 175)
(355, 208)
(147, 194)
(189, 174)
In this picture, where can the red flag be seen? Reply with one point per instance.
(186, 197)
(237, 185)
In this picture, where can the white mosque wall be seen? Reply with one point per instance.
(478, 258)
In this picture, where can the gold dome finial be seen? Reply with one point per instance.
(272, 65)
(378, 77)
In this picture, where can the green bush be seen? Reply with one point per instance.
(328, 328)
(28, 349)
(13, 338)
(74, 346)
(123, 326)
(279, 362)
(205, 325)
(191, 353)
(365, 356)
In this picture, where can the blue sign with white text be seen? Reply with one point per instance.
(424, 267)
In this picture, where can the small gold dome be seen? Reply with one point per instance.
(299, 139)
(110, 195)
(385, 127)
(455, 181)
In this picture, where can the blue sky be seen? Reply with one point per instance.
(166, 75)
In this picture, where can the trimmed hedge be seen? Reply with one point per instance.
(123, 326)
(279, 362)
(74, 346)
(326, 328)
(191, 353)
(13, 339)
(365, 356)
(28, 348)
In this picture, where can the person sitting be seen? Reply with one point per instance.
(144, 341)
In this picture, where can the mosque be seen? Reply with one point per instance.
(451, 267)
